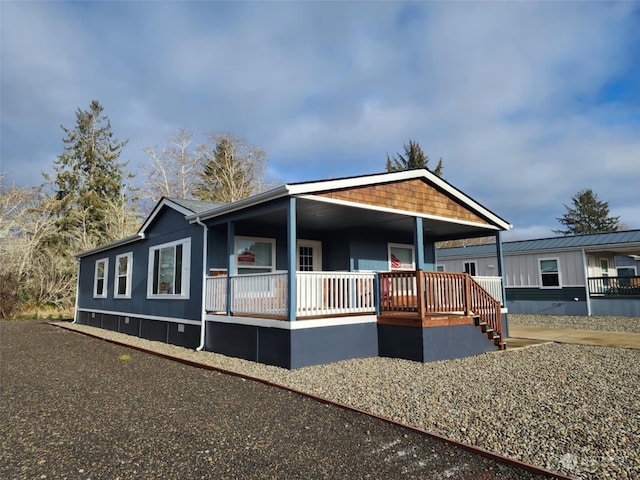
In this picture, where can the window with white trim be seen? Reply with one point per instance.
(169, 267)
(124, 269)
(401, 257)
(100, 278)
(470, 268)
(604, 267)
(439, 268)
(549, 272)
(255, 255)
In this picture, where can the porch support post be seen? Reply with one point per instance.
(503, 281)
(292, 305)
(418, 241)
(501, 267)
(231, 235)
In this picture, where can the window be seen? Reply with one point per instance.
(549, 273)
(124, 267)
(401, 257)
(100, 278)
(255, 255)
(439, 268)
(604, 267)
(470, 268)
(169, 270)
(626, 271)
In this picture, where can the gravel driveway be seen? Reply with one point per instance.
(574, 409)
(73, 407)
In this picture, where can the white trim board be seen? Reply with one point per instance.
(297, 325)
(142, 316)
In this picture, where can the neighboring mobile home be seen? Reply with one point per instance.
(304, 274)
(594, 274)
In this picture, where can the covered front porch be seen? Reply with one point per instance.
(315, 270)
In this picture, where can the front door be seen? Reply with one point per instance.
(309, 256)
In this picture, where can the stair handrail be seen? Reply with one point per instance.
(484, 305)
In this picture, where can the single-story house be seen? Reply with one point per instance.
(594, 274)
(304, 274)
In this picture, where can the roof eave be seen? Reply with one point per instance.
(118, 243)
(254, 200)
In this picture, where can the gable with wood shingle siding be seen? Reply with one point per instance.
(411, 195)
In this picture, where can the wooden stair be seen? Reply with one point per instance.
(490, 333)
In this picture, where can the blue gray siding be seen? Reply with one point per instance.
(168, 227)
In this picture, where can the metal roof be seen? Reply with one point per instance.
(196, 206)
(571, 242)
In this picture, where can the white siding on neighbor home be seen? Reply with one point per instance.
(594, 266)
(523, 270)
(485, 266)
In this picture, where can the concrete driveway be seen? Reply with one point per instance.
(521, 336)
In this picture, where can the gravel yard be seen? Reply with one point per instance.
(73, 407)
(569, 408)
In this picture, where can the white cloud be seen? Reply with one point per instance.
(510, 94)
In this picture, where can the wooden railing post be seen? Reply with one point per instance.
(467, 294)
(421, 287)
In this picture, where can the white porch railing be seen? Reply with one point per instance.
(318, 294)
(259, 294)
(216, 294)
(493, 285)
(334, 293)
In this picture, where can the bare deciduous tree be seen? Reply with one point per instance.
(173, 169)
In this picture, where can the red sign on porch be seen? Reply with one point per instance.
(247, 258)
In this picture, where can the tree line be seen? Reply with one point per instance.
(89, 200)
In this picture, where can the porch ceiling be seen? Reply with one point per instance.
(322, 216)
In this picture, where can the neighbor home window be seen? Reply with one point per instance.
(255, 255)
(124, 267)
(470, 268)
(401, 257)
(626, 271)
(439, 268)
(549, 272)
(169, 270)
(100, 278)
(604, 267)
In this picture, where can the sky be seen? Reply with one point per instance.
(527, 103)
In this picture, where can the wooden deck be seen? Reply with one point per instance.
(411, 319)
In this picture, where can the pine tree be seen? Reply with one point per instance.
(413, 158)
(588, 215)
(89, 179)
(231, 170)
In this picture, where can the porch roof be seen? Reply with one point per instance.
(352, 202)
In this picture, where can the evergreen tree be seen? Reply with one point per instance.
(89, 179)
(231, 169)
(413, 157)
(588, 215)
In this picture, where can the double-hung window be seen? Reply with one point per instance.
(100, 278)
(124, 269)
(169, 270)
(470, 268)
(549, 272)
